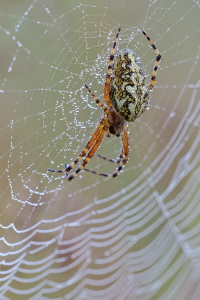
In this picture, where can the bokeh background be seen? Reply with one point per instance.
(134, 237)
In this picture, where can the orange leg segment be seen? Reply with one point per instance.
(122, 158)
(96, 136)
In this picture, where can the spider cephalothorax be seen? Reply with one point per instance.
(126, 96)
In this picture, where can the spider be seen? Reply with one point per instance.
(126, 95)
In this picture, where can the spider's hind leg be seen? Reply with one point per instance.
(157, 62)
(109, 70)
(98, 102)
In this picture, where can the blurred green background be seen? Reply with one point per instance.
(49, 50)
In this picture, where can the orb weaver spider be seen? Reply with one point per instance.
(126, 95)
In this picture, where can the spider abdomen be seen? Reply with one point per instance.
(128, 90)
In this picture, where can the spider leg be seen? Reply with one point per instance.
(116, 160)
(157, 62)
(102, 127)
(124, 154)
(98, 102)
(109, 71)
(91, 152)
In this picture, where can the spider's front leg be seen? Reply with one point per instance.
(122, 158)
(93, 149)
(89, 150)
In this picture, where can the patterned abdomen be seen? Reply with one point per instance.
(128, 90)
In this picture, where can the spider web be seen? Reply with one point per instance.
(133, 237)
